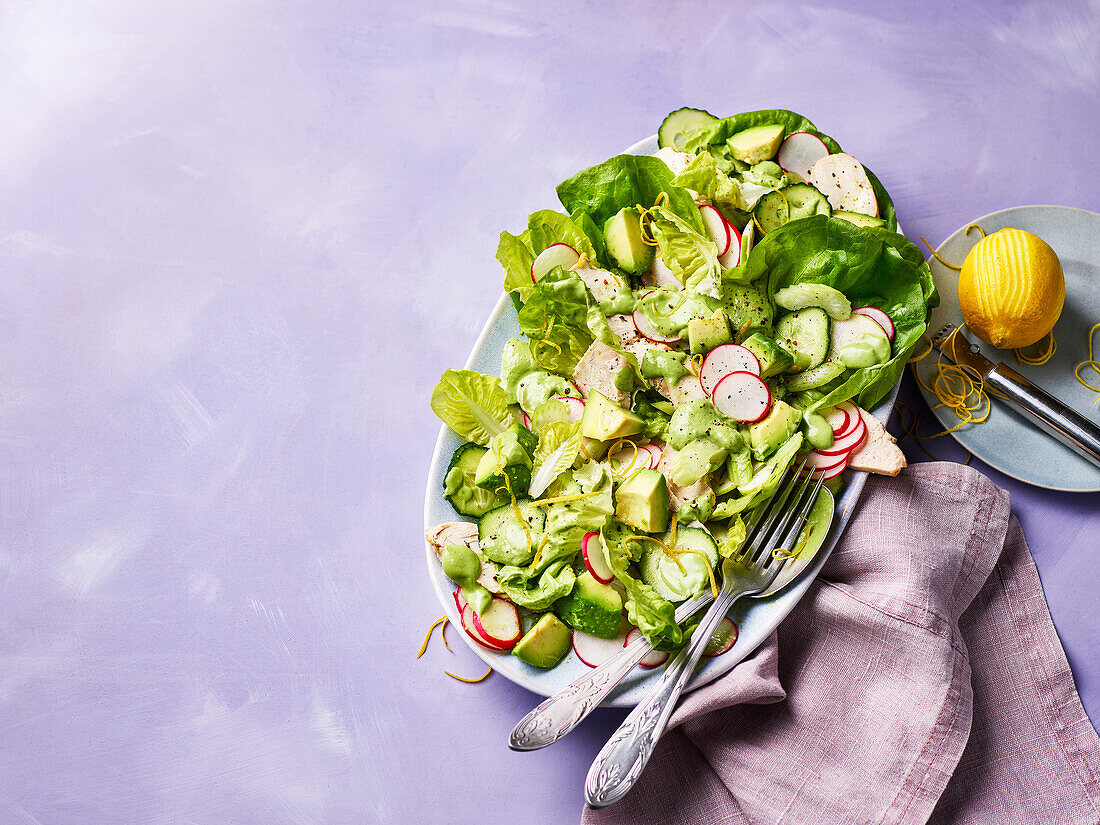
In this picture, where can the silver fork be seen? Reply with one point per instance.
(620, 763)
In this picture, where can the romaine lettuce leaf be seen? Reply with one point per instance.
(537, 589)
(871, 267)
(471, 404)
(626, 180)
(558, 447)
(765, 480)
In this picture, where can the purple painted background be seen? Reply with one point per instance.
(239, 241)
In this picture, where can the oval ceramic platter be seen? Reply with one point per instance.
(1006, 441)
(755, 618)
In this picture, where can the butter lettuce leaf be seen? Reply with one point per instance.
(705, 177)
(871, 266)
(651, 613)
(561, 312)
(537, 589)
(626, 180)
(765, 481)
(472, 404)
(692, 257)
(545, 228)
(515, 257)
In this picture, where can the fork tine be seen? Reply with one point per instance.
(787, 533)
(774, 509)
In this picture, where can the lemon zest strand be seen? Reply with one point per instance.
(1090, 362)
(975, 226)
(443, 633)
(538, 553)
(936, 255)
(706, 562)
(662, 199)
(1037, 360)
(516, 510)
(645, 223)
(914, 359)
(428, 635)
(695, 364)
(617, 473)
(470, 681)
(660, 544)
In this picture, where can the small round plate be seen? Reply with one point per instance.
(1006, 441)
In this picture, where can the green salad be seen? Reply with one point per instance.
(694, 323)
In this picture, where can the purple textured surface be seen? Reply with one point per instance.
(239, 241)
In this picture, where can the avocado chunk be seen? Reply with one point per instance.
(592, 607)
(704, 334)
(545, 644)
(780, 424)
(623, 234)
(642, 502)
(511, 454)
(773, 357)
(605, 420)
(757, 143)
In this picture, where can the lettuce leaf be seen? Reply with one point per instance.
(545, 228)
(472, 404)
(559, 445)
(692, 257)
(537, 589)
(626, 180)
(705, 177)
(869, 265)
(654, 615)
(561, 311)
(764, 482)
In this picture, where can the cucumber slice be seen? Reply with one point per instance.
(859, 219)
(800, 296)
(502, 538)
(676, 128)
(818, 376)
(806, 334)
(771, 212)
(458, 483)
(660, 571)
(804, 200)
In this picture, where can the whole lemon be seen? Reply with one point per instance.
(1011, 289)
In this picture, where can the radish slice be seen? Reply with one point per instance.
(594, 651)
(847, 442)
(732, 257)
(595, 558)
(499, 624)
(559, 254)
(470, 627)
(527, 421)
(725, 637)
(717, 227)
(575, 405)
(646, 330)
(654, 456)
(655, 658)
(831, 472)
(742, 396)
(724, 359)
(838, 419)
(626, 460)
(800, 151)
(816, 460)
(879, 317)
(843, 180)
(460, 602)
(661, 275)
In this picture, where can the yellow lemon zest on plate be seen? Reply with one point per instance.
(780, 553)
(562, 499)
(481, 678)
(1041, 357)
(1090, 362)
(936, 255)
(959, 389)
(442, 620)
(914, 359)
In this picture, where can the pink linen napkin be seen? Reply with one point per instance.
(920, 679)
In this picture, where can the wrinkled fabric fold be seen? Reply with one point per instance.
(920, 679)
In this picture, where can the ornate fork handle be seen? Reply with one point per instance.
(625, 755)
(563, 711)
